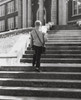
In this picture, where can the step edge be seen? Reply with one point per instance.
(40, 89)
(41, 80)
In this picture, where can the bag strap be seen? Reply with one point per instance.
(32, 40)
(39, 38)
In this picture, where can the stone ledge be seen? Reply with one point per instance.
(15, 32)
(7, 56)
(13, 57)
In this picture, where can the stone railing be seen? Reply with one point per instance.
(13, 57)
(15, 32)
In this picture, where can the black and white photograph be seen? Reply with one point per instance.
(40, 49)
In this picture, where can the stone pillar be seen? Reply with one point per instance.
(19, 13)
(62, 12)
(67, 11)
(41, 8)
(29, 13)
(25, 13)
(54, 11)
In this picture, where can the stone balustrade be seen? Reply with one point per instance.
(13, 57)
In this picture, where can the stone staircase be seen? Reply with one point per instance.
(66, 27)
(63, 47)
(61, 70)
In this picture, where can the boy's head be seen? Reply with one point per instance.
(38, 23)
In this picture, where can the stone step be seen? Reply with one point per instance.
(58, 52)
(40, 92)
(64, 38)
(54, 56)
(65, 43)
(61, 44)
(41, 75)
(61, 48)
(76, 84)
(65, 35)
(50, 40)
(63, 31)
(51, 44)
(55, 36)
(47, 68)
(53, 60)
(32, 98)
(65, 27)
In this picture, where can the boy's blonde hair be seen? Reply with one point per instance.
(38, 23)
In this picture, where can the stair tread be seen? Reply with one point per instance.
(40, 89)
(40, 80)
(54, 58)
(32, 98)
(24, 72)
(58, 50)
(55, 54)
(59, 42)
(65, 40)
(45, 65)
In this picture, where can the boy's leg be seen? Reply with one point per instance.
(38, 56)
(34, 56)
(34, 59)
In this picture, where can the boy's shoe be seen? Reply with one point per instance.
(37, 69)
